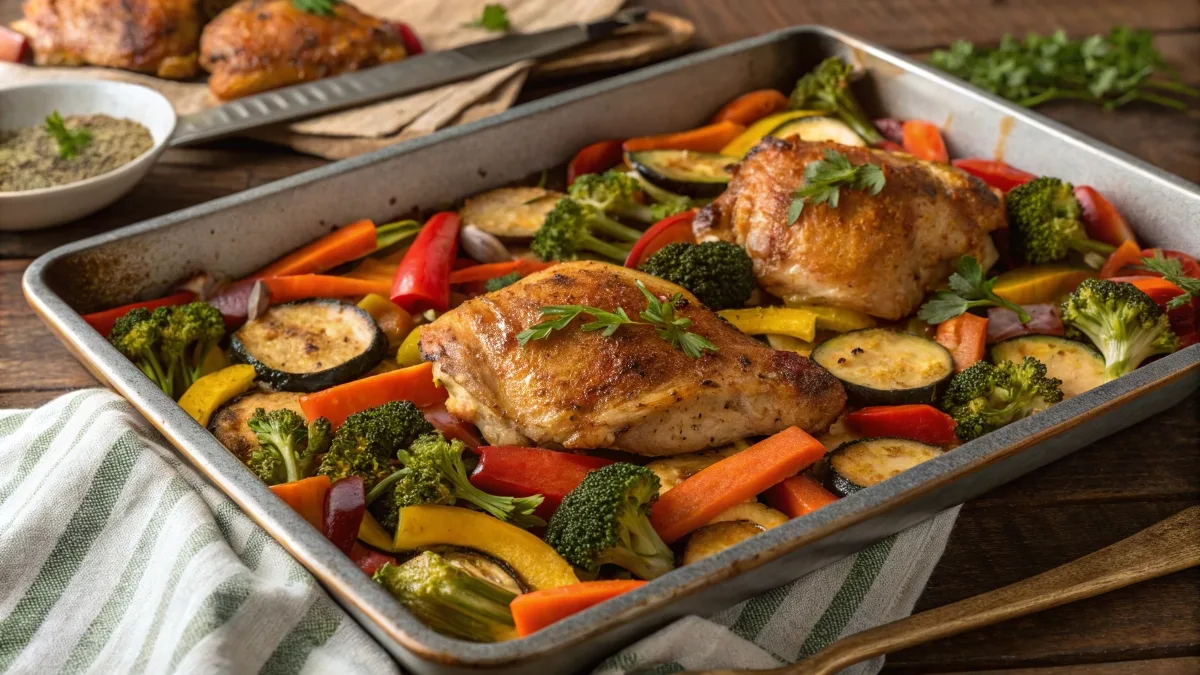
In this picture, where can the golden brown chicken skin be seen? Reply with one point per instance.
(879, 254)
(632, 391)
(257, 45)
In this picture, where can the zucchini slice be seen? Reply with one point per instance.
(310, 345)
(228, 424)
(510, 212)
(1078, 365)
(860, 464)
(818, 129)
(880, 366)
(702, 175)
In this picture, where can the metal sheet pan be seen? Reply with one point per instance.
(235, 235)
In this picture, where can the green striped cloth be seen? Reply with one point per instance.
(116, 557)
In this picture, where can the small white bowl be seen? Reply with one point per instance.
(28, 105)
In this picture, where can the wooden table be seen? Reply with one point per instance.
(1075, 506)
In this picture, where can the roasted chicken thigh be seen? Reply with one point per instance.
(631, 391)
(879, 254)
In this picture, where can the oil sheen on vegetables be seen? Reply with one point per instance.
(29, 157)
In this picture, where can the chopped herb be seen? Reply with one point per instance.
(824, 178)
(317, 7)
(968, 288)
(494, 18)
(1172, 271)
(70, 141)
(661, 315)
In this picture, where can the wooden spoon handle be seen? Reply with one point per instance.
(1169, 546)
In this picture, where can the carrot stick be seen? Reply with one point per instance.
(965, 336)
(103, 321)
(340, 246)
(752, 107)
(307, 497)
(534, 611)
(493, 270)
(799, 495)
(710, 138)
(698, 499)
(300, 286)
(1127, 254)
(1159, 289)
(335, 404)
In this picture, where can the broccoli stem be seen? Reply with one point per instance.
(647, 556)
(164, 380)
(384, 485)
(1092, 246)
(1122, 357)
(612, 251)
(853, 116)
(612, 228)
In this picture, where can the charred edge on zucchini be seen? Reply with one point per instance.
(310, 345)
(1079, 366)
(701, 175)
(880, 366)
(858, 465)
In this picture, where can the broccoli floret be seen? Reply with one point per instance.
(605, 520)
(367, 441)
(138, 336)
(827, 89)
(286, 445)
(1045, 222)
(614, 193)
(719, 273)
(190, 331)
(571, 227)
(1124, 323)
(985, 397)
(434, 473)
(665, 203)
(449, 600)
(502, 282)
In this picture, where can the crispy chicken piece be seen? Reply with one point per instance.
(257, 45)
(149, 36)
(877, 254)
(632, 391)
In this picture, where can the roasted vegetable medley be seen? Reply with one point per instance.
(553, 394)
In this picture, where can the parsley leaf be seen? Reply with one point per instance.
(661, 315)
(70, 141)
(968, 288)
(317, 7)
(824, 178)
(494, 18)
(1172, 271)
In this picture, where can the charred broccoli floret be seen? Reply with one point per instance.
(287, 446)
(190, 331)
(985, 397)
(505, 281)
(449, 600)
(434, 473)
(719, 273)
(138, 336)
(570, 229)
(367, 441)
(605, 520)
(827, 89)
(1124, 323)
(1046, 222)
(614, 193)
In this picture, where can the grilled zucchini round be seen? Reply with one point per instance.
(860, 464)
(818, 129)
(701, 175)
(1078, 366)
(879, 366)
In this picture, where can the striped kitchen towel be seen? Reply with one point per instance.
(116, 557)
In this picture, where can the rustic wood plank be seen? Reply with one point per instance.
(1188, 665)
(28, 399)
(31, 357)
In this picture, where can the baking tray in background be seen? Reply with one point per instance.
(233, 236)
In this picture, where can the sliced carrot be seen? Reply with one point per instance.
(752, 107)
(1128, 253)
(340, 246)
(493, 270)
(534, 611)
(335, 404)
(710, 138)
(103, 321)
(307, 497)
(301, 286)
(799, 495)
(923, 141)
(694, 502)
(965, 336)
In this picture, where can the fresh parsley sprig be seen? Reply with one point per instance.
(824, 178)
(317, 7)
(70, 141)
(968, 288)
(1172, 271)
(494, 19)
(659, 314)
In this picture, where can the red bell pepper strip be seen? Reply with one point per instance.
(669, 230)
(422, 280)
(752, 107)
(513, 471)
(595, 158)
(994, 172)
(340, 246)
(1127, 254)
(923, 141)
(369, 560)
(965, 336)
(494, 270)
(103, 321)
(534, 611)
(1004, 323)
(345, 504)
(14, 47)
(919, 422)
(306, 497)
(799, 495)
(694, 502)
(711, 138)
(452, 427)
(335, 404)
(1101, 219)
(412, 43)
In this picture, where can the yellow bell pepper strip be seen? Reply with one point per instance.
(1041, 285)
(787, 343)
(798, 323)
(537, 564)
(409, 353)
(836, 318)
(749, 138)
(372, 534)
(391, 318)
(212, 391)
(213, 361)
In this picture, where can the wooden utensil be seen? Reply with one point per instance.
(1169, 546)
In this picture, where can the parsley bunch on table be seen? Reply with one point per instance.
(1109, 70)
(824, 178)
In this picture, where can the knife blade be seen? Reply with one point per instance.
(407, 76)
